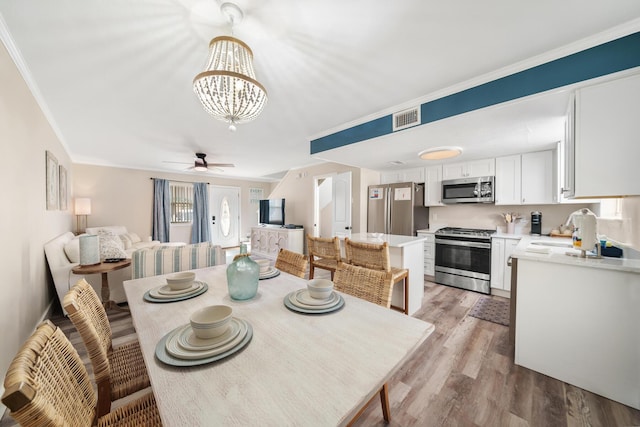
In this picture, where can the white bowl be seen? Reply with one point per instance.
(320, 288)
(182, 280)
(210, 322)
(264, 265)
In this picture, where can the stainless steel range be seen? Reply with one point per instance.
(463, 258)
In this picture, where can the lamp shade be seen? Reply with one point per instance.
(83, 206)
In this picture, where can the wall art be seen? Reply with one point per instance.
(52, 182)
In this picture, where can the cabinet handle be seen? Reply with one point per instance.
(509, 261)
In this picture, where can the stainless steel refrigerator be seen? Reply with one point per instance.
(397, 209)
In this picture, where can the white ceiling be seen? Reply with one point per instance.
(115, 77)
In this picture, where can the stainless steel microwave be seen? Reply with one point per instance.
(468, 190)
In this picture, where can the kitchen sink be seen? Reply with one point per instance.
(552, 244)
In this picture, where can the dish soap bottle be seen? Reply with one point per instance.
(242, 276)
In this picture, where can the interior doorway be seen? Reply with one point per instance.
(224, 205)
(332, 205)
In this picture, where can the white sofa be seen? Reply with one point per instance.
(149, 258)
(62, 261)
(63, 254)
(131, 241)
(169, 259)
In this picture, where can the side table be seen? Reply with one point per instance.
(104, 268)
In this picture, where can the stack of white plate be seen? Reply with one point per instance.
(302, 302)
(269, 273)
(165, 292)
(181, 347)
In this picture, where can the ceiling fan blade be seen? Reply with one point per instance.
(221, 165)
(179, 163)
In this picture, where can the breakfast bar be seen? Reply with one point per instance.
(405, 252)
(576, 319)
(297, 368)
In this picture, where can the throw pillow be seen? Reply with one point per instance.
(134, 238)
(126, 241)
(110, 245)
(72, 250)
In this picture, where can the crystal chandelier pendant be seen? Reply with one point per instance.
(228, 89)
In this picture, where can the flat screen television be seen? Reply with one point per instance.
(272, 211)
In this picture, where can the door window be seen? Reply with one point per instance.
(225, 217)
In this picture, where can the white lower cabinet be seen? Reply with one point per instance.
(501, 251)
(267, 241)
(429, 252)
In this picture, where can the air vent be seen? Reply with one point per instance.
(406, 119)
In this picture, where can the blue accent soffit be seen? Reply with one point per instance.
(611, 57)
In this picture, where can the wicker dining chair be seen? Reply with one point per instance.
(376, 256)
(119, 371)
(374, 286)
(48, 385)
(292, 263)
(324, 253)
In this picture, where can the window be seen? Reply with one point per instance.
(611, 208)
(181, 202)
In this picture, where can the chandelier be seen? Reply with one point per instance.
(228, 89)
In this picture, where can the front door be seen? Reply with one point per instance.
(225, 216)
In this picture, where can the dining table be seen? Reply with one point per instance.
(297, 369)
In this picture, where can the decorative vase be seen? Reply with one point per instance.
(511, 227)
(89, 249)
(242, 276)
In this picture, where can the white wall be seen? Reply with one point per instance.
(125, 196)
(297, 187)
(26, 225)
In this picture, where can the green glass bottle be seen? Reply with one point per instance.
(242, 276)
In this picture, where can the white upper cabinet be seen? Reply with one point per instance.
(405, 175)
(472, 169)
(527, 179)
(433, 186)
(607, 126)
(508, 180)
(539, 178)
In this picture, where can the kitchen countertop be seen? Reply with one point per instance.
(394, 240)
(509, 236)
(557, 255)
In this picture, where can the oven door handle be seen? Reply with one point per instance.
(463, 243)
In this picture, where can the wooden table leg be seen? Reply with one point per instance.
(106, 295)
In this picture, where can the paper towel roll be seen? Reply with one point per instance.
(89, 250)
(589, 232)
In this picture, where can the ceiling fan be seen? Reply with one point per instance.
(201, 165)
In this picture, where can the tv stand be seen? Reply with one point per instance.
(267, 241)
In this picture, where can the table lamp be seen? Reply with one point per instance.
(82, 209)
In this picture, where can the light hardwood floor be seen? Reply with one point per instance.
(463, 375)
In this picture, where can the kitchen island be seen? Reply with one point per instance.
(405, 252)
(576, 319)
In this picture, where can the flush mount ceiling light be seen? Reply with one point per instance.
(228, 89)
(439, 153)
